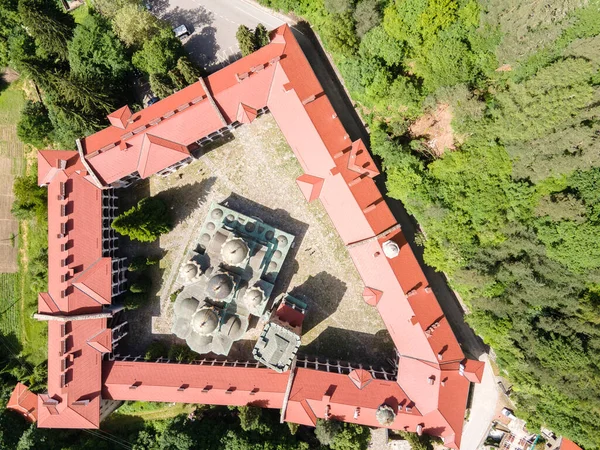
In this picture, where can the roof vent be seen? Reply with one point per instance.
(443, 383)
(307, 100)
(62, 164)
(427, 290)
(135, 385)
(391, 249)
(431, 379)
(420, 429)
(461, 369)
(440, 356)
(357, 412)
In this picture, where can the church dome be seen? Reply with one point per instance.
(189, 271)
(219, 286)
(205, 321)
(233, 328)
(385, 415)
(234, 251)
(186, 307)
(253, 297)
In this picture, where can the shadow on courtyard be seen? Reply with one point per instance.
(182, 202)
(352, 346)
(323, 293)
(278, 218)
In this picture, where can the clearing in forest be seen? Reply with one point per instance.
(436, 128)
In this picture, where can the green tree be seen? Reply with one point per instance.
(339, 35)
(133, 301)
(261, 36)
(161, 85)
(250, 417)
(96, 55)
(30, 199)
(135, 25)
(351, 437)
(159, 54)
(34, 126)
(141, 285)
(110, 8)
(144, 222)
(367, 16)
(9, 20)
(327, 430)
(156, 350)
(246, 40)
(188, 70)
(177, 78)
(339, 6)
(51, 27)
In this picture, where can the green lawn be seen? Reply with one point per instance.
(18, 294)
(9, 304)
(34, 337)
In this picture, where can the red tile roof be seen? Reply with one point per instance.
(337, 170)
(23, 401)
(186, 383)
(567, 444)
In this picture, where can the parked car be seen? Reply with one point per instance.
(181, 31)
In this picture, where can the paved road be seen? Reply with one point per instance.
(213, 24)
(483, 408)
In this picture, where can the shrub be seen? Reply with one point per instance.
(141, 286)
(144, 222)
(34, 126)
(245, 39)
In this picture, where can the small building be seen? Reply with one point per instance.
(279, 341)
(24, 402)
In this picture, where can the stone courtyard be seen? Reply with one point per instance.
(255, 174)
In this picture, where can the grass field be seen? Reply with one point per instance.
(18, 295)
(11, 165)
(133, 415)
(9, 304)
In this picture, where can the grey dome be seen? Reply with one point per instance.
(283, 242)
(199, 343)
(234, 251)
(205, 238)
(217, 213)
(182, 327)
(189, 271)
(205, 321)
(385, 415)
(233, 328)
(186, 307)
(253, 297)
(219, 286)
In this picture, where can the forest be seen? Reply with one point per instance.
(85, 66)
(485, 115)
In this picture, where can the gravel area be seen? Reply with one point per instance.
(255, 173)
